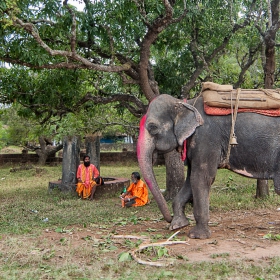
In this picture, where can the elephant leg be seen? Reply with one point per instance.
(276, 182)
(201, 183)
(182, 198)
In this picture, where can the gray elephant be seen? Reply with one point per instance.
(169, 121)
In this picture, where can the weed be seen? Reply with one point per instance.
(220, 255)
(275, 237)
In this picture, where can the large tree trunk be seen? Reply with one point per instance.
(92, 143)
(269, 70)
(262, 189)
(134, 145)
(46, 150)
(70, 162)
(175, 176)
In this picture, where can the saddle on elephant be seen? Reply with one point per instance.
(221, 99)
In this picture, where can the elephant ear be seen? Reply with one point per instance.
(186, 121)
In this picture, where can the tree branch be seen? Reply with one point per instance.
(149, 86)
(84, 63)
(245, 65)
(202, 61)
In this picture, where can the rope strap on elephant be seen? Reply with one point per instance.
(233, 121)
(220, 99)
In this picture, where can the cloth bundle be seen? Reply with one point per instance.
(224, 96)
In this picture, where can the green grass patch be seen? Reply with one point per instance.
(27, 209)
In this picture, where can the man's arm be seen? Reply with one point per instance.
(128, 191)
(95, 172)
(79, 171)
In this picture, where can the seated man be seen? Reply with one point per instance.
(136, 194)
(88, 179)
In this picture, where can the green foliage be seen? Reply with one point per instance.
(3, 136)
(17, 130)
(124, 257)
(221, 255)
(49, 95)
(43, 91)
(271, 236)
(117, 27)
(110, 33)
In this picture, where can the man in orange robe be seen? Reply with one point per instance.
(86, 175)
(136, 194)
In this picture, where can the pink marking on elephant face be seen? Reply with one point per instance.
(141, 141)
(149, 183)
(141, 134)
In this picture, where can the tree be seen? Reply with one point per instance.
(269, 65)
(28, 134)
(3, 136)
(141, 47)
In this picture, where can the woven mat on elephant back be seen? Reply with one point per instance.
(218, 111)
(225, 96)
(247, 98)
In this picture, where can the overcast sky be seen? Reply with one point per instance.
(77, 4)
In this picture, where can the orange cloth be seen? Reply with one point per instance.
(86, 175)
(139, 190)
(218, 111)
(127, 196)
(83, 190)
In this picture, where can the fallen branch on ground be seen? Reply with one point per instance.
(146, 245)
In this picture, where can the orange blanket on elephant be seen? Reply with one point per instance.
(218, 111)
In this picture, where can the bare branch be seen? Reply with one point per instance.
(202, 61)
(141, 7)
(42, 21)
(107, 28)
(246, 64)
(68, 65)
(73, 28)
(31, 29)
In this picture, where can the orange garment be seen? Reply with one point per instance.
(218, 111)
(126, 196)
(86, 175)
(139, 190)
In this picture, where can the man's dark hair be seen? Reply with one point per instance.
(136, 175)
(86, 157)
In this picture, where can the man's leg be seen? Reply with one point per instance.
(79, 189)
(93, 191)
(130, 203)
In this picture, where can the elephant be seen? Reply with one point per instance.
(170, 121)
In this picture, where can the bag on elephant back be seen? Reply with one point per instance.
(224, 96)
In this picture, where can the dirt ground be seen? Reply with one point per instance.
(235, 235)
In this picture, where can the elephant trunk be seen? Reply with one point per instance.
(145, 149)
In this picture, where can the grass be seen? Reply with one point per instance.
(25, 253)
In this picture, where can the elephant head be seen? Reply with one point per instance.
(166, 125)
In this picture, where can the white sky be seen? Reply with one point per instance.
(77, 4)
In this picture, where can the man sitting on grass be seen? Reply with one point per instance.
(88, 179)
(136, 194)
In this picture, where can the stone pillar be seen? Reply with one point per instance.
(70, 162)
(92, 143)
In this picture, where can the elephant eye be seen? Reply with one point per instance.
(152, 128)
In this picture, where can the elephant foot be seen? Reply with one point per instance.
(178, 222)
(199, 232)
